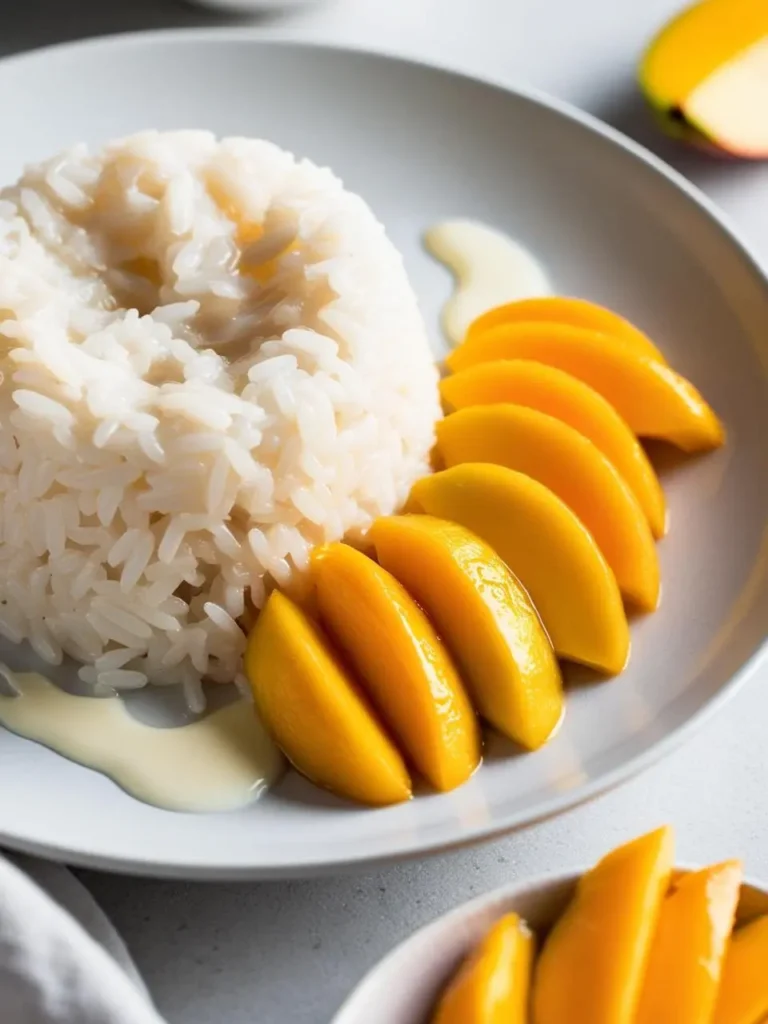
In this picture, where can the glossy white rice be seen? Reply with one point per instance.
(211, 361)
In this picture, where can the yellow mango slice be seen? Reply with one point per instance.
(743, 995)
(572, 312)
(706, 76)
(593, 961)
(702, 38)
(493, 984)
(401, 663)
(686, 958)
(315, 712)
(653, 399)
(548, 549)
(572, 467)
(485, 617)
(537, 386)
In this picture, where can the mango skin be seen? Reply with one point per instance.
(493, 983)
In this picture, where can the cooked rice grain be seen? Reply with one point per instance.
(211, 361)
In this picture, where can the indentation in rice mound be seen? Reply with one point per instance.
(212, 360)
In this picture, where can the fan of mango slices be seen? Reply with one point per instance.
(522, 550)
(637, 944)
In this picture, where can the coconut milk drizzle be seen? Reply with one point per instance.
(490, 269)
(217, 763)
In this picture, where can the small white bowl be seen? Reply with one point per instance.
(404, 987)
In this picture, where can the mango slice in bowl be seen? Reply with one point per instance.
(592, 964)
(686, 959)
(743, 995)
(493, 985)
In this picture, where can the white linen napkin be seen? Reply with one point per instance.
(61, 961)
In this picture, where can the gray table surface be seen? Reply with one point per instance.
(289, 952)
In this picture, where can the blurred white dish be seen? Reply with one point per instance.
(608, 222)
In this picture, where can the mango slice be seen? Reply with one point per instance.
(561, 395)
(315, 712)
(706, 74)
(485, 617)
(653, 399)
(743, 995)
(572, 312)
(688, 949)
(592, 964)
(572, 467)
(547, 548)
(492, 985)
(401, 664)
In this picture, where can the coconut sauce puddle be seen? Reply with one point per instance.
(489, 267)
(226, 760)
(220, 762)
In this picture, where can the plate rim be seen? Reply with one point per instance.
(408, 848)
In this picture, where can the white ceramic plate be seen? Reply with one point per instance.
(610, 223)
(404, 986)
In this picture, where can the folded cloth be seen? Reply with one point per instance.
(61, 961)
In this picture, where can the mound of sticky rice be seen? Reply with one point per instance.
(212, 360)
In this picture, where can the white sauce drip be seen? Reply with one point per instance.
(217, 763)
(490, 269)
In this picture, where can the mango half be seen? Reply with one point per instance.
(706, 76)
